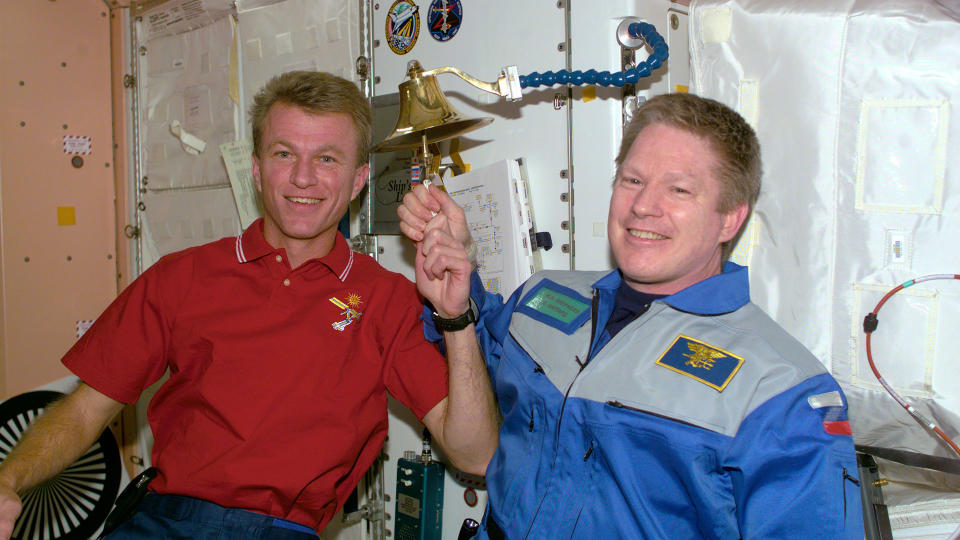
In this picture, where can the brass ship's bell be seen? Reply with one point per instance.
(425, 115)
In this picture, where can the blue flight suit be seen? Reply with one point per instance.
(702, 418)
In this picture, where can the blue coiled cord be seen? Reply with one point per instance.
(605, 78)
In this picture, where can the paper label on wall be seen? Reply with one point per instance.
(178, 16)
(77, 144)
(408, 506)
(83, 326)
(237, 159)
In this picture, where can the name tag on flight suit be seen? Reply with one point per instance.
(557, 306)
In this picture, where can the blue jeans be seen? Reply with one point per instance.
(175, 516)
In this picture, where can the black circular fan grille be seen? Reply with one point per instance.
(73, 504)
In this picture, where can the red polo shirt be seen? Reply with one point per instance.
(276, 400)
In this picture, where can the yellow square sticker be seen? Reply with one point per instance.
(66, 215)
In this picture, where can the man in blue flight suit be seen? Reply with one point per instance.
(654, 401)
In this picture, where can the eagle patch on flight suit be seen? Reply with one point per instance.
(710, 365)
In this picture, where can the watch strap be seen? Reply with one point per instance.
(456, 323)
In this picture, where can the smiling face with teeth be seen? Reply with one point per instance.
(664, 225)
(307, 174)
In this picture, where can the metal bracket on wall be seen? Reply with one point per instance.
(628, 94)
(373, 508)
(366, 243)
(876, 521)
(363, 67)
(372, 511)
(628, 60)
(559, 100)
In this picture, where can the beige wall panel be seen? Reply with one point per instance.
(55, 73)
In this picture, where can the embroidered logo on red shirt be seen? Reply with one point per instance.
(349, 312)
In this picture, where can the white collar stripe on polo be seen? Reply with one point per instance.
(346, 271)
(240, 256)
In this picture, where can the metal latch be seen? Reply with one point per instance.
(365, 243)
(559, 100)
(363, 67)
(372, 511)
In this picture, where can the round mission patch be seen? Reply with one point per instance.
(403, 26)
(444, 18)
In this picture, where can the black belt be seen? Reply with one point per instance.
(913, 459)
(128, 500)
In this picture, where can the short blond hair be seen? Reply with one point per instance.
(731, 138)
(316, 92)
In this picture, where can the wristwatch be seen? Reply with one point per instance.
(456, 323)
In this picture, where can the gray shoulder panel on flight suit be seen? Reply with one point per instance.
(554, 351)
(626, 370)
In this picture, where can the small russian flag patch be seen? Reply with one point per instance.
(830, 407)
(415, 173)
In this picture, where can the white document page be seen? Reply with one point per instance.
(489, 197)
(237, 158)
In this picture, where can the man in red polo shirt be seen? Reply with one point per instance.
(281, 345)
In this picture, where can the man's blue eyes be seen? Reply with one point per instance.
(285, 154)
